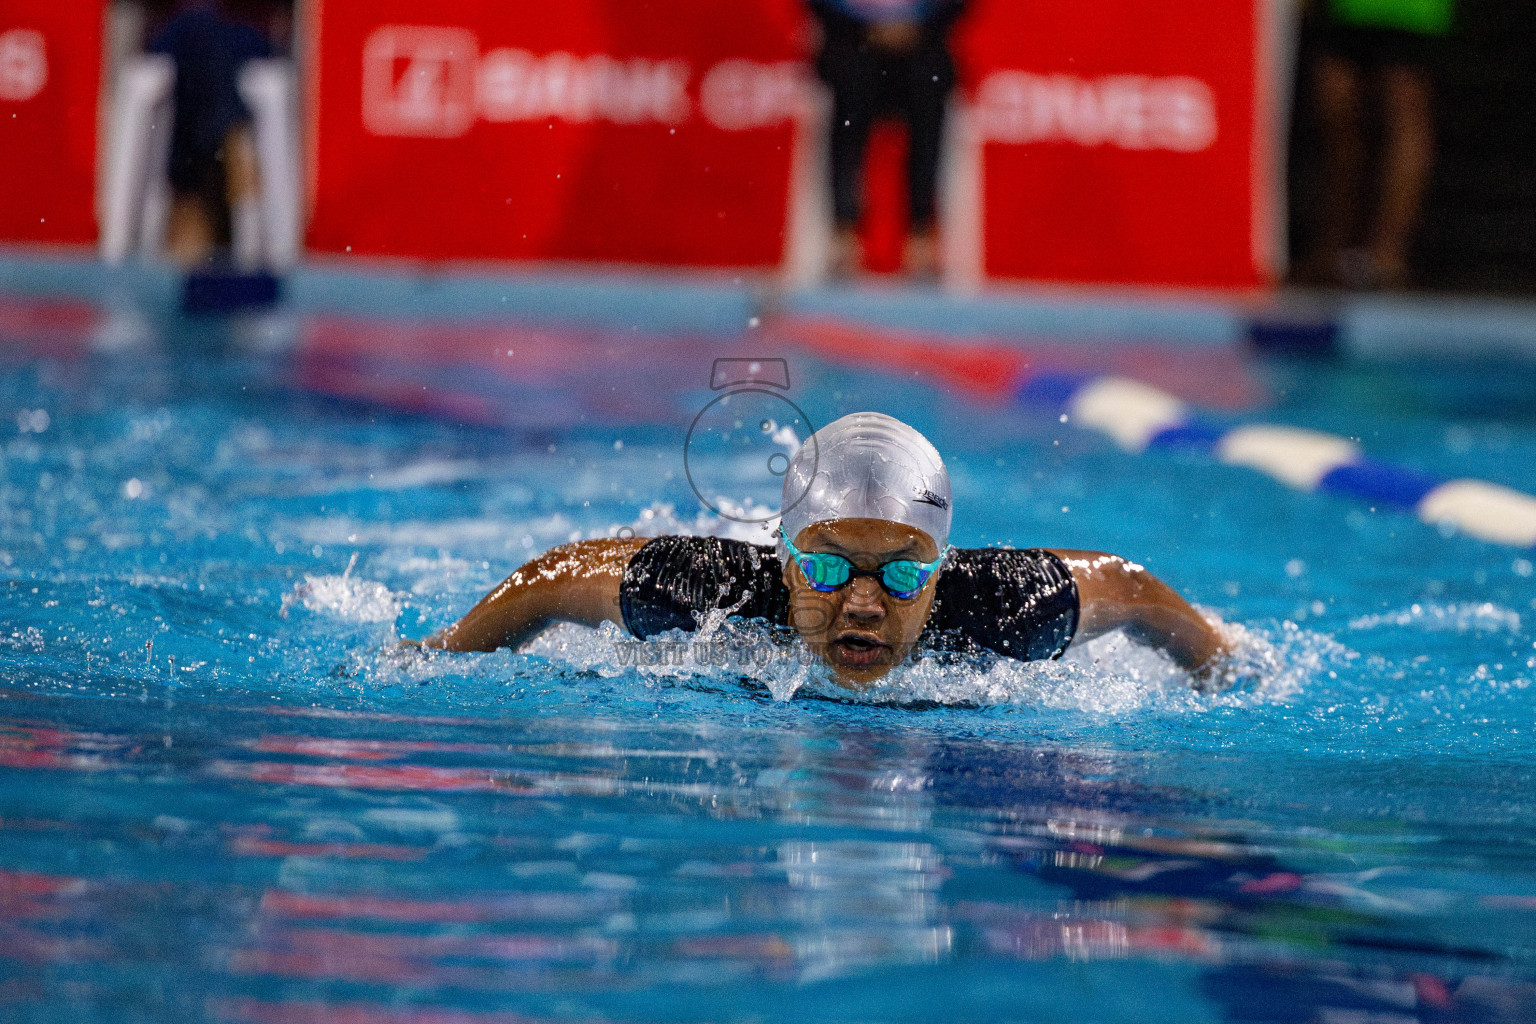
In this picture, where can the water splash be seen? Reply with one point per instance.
(345, 598)
(1111, 675)
(1115, 675)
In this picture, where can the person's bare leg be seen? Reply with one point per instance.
(242, 179)
(847, 253)
(1408, 157)
(1337, 87)
(189, 233)
(920, 257)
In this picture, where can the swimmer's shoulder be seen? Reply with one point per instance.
(675, 545)
(670, 581)
(1006, 573)
(1019, 602)
(1004, 557)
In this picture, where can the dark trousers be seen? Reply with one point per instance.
(867, 84)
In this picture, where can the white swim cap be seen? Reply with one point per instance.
(867, 465)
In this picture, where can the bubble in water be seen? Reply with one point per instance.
(1459, 618)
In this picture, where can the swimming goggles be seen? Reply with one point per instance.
(902, 578)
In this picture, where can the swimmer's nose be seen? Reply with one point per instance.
(863, 601)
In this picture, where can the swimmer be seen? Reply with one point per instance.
(862, 569)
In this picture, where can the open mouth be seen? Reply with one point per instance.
(860, 650)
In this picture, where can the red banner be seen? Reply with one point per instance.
(50, 71)
(591, 129)
(1122, 140)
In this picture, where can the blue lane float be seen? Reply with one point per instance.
(1137, 417)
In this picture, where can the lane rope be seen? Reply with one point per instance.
(1138, 416)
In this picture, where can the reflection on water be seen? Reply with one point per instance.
(212, 812)
(279, 867)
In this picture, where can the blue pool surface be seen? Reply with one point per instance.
(226, 796)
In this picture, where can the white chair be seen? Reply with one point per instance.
(266, 233)
(268, 88)
(136, 199)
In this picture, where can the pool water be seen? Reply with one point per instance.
(226, 796)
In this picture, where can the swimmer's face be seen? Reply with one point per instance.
(860, 630)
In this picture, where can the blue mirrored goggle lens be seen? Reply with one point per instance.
(827, 572)
(902, 577)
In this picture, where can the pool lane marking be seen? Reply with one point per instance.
(1138, 416)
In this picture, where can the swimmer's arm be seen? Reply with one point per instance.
(1114, 593)
(576, 582)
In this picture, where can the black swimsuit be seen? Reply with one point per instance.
(1022, 604)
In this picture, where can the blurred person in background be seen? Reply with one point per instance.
(215, 181)
(1372, 56)
(882, 57)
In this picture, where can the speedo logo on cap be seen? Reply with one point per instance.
(929, 498)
